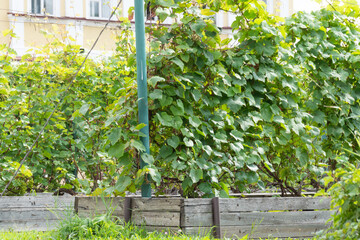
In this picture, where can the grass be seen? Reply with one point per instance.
(31, 235)
(101, 227)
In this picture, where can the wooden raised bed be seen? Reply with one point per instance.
(40, 213)
(234, 217)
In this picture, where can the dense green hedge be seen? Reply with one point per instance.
(272, 107)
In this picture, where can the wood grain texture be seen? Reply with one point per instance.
(39, 213)
(273, 194)
(28, 225)
(276, 217)
(262, 218)
(257, 204)
(34, 214)
(93, 213)
(93, 206)
(156, 204)
(43, 201)
(273, 204)
(161, 219)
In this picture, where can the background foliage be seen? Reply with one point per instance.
(271, 107)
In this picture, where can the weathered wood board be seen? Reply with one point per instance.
(93, 206)
(273, 204)
(28, 225)
(156, 204)
(260, 218)
(39, 213)
(157, 214)
(41, 201)
(154, 213)
(278, 217)
(257, 204)
(161, 219)
(257, 217)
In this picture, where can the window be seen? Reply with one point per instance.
(100, 8)
(42, 7)
(269, 5)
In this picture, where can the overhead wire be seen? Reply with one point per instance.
(60, 101)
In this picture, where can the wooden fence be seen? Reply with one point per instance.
(257, 217)
(234, 217)
(40, 213)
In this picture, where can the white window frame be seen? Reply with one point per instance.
(56, 8)
(219, 19)
(74, 8)
(270, 6)
(284, 8)
(88, 9)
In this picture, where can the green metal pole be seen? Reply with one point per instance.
(142, 85)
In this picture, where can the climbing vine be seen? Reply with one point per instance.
(269, 108)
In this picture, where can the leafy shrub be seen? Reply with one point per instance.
(22, 183)
(344, 190)
(93, 127)
(255, 114)
(271, 107)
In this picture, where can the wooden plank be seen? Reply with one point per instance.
(275, 218)
(165, 230)
(29, 225)
(196, 206)
(197, 220)
(198, 202)
(273, 204)
(246, 195)
(43, 201)
(99, 204)
(34, 214)
(261, 231)
(94, 206)
(257, 204)
(93, 213)
(198, 231)
(201, 206)
(156, 204)
(161, 219)
(273, 194)
(263, 218)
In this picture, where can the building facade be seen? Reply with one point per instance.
(82, 20)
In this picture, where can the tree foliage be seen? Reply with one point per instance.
(270, 107)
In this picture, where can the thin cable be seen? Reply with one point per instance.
(61, 99)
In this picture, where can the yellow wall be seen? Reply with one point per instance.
(291, 6)
(35, 37)
(62, 8)
(106, 41)
(25, 6)
(4, 22)
(226, 20)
